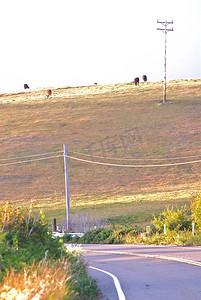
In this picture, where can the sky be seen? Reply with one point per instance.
(59, 43)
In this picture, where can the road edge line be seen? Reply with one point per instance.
(176, 259)
(116, 282)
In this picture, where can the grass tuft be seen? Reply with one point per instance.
(50, 280)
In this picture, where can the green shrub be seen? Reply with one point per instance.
(171, 238)
(120, 235)
(196, 211)
(194, 240)
(107, 236)
(85, 286)
(24, 231)
(174, 220)
(66, 238)
(96, 236)
(75, 239)
(26, 241)
(10, 256)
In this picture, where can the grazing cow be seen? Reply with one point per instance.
(48, 93)
(136, 80)
(144, 77)
(26, 86)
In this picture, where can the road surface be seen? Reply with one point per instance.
(137, 272)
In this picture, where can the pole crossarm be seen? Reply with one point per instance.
(165, 29)
(165, 22)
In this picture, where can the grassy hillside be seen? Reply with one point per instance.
(119, 122)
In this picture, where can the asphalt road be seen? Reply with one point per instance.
(146, 272)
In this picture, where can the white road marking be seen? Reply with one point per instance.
(116, 283)
(181, 260)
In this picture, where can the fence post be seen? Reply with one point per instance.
(54, 227)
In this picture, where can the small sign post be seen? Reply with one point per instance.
(193, 228)
(164, 229)
(148, 230)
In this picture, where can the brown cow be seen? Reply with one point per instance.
(48, 93)
(144, 77)
(26, 86)
(136, 80)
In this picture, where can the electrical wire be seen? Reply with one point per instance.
(130, 159)
(134, 166)
(14, 158)
(100, 163)
(30, 160)
(102, 157)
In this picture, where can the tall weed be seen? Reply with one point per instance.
(49, 280)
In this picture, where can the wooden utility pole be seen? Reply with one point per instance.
(67, 190)
(165, 30)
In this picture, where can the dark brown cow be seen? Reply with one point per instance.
(26, 86)
(136, 80)
(144, 77)
(48, 93)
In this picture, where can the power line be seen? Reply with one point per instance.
(30, 160)
(20, 157)
(97, 156)
(130, 159)
(102, 163)
(134, 166)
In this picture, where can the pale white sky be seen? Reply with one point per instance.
(78, 42)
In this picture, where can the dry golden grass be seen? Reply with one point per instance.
(39, 282)
(114, 121)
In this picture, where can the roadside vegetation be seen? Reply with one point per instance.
(33, 265)
(178, 229)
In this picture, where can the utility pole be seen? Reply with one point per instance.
(165, 30)
(67, 190)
